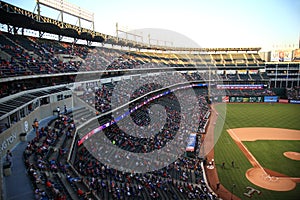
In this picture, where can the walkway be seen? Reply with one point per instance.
(18, 186)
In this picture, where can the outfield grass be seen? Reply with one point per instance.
(254, 115)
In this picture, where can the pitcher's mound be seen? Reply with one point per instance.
(292, 155)
(262, 179)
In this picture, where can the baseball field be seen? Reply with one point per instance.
(259, 148)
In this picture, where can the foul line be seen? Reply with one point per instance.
(246, 152)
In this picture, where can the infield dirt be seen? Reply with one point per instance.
(258, 175)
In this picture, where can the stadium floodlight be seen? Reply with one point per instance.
(159, 41)
(127, 33)
(66, 7)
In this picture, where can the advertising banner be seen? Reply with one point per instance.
(236, 99)
(255, 99)
(243, 87)
(253, 71)
(243, 71)
(295, 101)
(246, 99)
(242, 99)
(283, 101)
(225, 99)
(191, 142)
(270, 99)
(296, 55)
(282, 55)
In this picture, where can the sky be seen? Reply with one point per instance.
(208, 23)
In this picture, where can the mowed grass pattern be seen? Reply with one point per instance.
(252, 115)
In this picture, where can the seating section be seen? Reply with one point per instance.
(24, 55)
(182, 179)
(245, 92)
(99, 95)
(232, 77)
(244, 77)
(179, 180)
(293, 93)
(53, 177)
(256, 76)
(45, 158)
(85, 177)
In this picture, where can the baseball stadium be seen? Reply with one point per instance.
(89, 115)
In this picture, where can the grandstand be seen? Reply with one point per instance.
(38, 75)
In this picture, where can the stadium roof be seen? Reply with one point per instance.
(8, 106)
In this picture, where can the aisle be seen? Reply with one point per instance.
(18, 186)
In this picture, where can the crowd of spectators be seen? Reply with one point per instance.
(293, 93)
(142, 117)
(45, 158)
(32, 55)
(250, 92)
(103, 96)
(175, 179)
(96, 95)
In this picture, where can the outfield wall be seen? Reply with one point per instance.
(252, 99)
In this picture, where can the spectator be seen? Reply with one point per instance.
(65, 109)
(58, 110)
(35, 127)
(8, 157)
